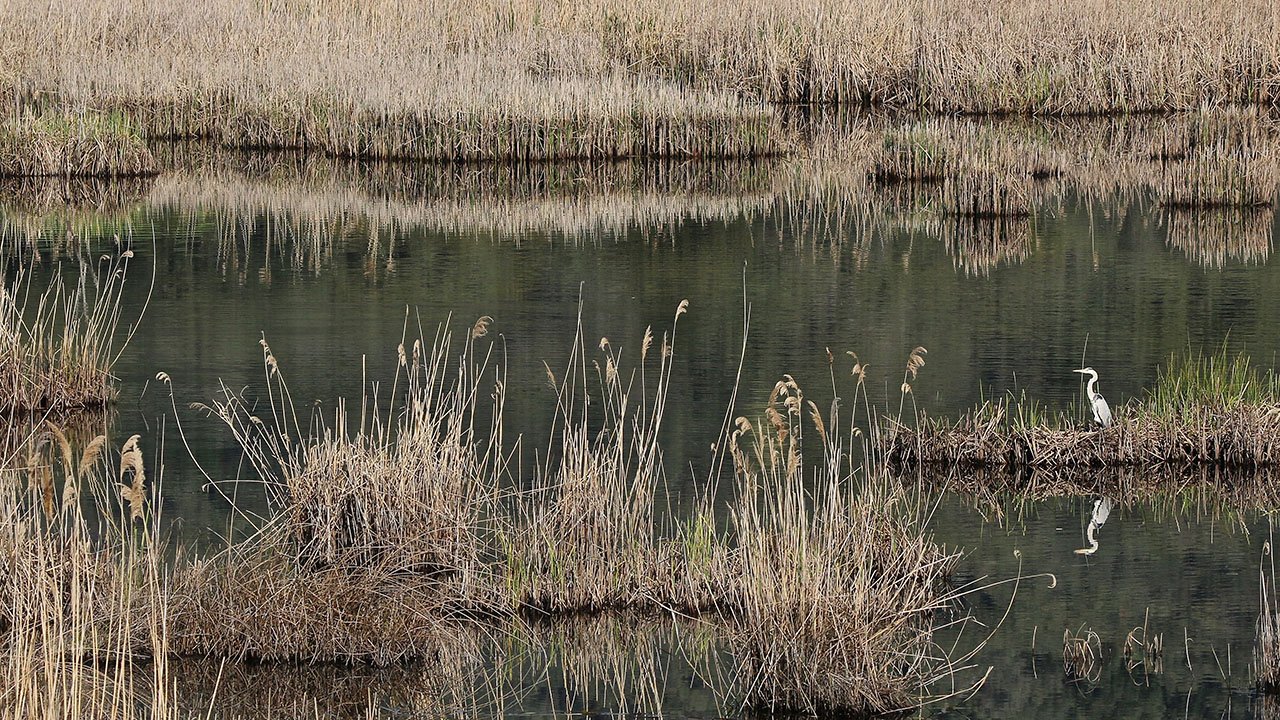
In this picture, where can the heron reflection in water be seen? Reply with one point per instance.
(1101, 509)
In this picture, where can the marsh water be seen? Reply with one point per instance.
(329, 285)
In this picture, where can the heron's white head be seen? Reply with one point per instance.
(1087, 371)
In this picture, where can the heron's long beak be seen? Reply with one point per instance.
(1079, 371)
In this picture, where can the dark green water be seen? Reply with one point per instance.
(1102, 274)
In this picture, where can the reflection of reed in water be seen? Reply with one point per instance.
(1187, 492)
(620, 663)
(1214, 236)
(1082, 655)
(579, 200)
(440, 687)
(1235, 166)
(979, 245)
(856, 179)
(51, 208)
(1144, 649)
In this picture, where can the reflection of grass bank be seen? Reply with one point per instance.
(1213, 236)
(1183, 492)
(578, 200)
(980, 184)
(1204, 409)
(384, 537)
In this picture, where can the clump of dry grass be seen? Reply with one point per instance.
(840, 585)
(1203, 409)
(587, 538)
(97, 605)
(439, 511)
(56, 347)
(49, 143)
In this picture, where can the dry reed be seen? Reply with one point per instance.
(81, 630)
(1082, 656)
(516, 79)
(1266, 654)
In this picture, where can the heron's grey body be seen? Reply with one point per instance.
(1097, 403)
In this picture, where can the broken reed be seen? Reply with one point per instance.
(1203, 409)
(56, 345)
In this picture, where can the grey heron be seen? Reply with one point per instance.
(1101, 510)
(1097, 403)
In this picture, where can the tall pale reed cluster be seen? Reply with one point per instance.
(83, 612)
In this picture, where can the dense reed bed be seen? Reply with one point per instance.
(57, 345)
(82, 631)
(1203, 409)
(605, 79)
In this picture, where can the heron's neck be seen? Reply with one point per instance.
(1092, 388)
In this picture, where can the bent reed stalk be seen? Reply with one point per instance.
(1203, 410)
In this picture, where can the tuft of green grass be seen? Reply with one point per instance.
(72, 145)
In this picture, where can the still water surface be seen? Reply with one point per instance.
(1097, 277)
